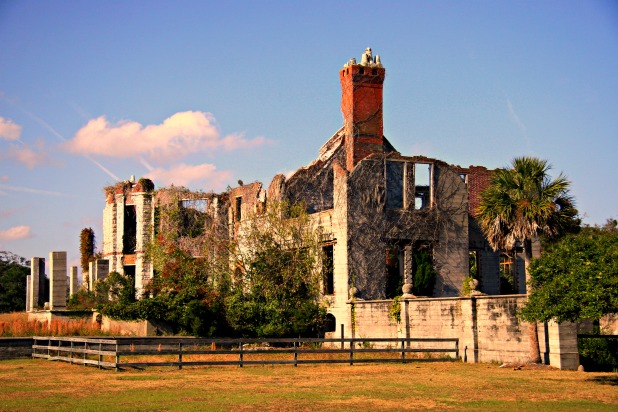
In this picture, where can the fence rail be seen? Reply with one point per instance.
(133, 352)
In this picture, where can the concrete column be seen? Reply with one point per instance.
(73, 286)
(57, 280)
(28, 286)
(563, 352)
(92, 278)
(37, 273)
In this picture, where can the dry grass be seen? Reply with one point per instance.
(17, 324)
(37, 385)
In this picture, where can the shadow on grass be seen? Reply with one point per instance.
(606, 380)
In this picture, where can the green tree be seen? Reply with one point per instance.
(577, 278)
(14, 271)
(520, 204)
(276, 289)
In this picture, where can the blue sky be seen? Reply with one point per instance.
(204, 93)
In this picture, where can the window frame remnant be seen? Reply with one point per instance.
(423, 193)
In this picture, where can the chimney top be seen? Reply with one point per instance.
(367, 60)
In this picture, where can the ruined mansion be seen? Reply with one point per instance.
(382, 215)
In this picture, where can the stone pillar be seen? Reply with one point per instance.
(57, 280)
(563, 352)
(73, 286)
(37, 273)
(92, 275)
(28, 301)
(408, 279)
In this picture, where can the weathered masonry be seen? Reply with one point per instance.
(388, 221)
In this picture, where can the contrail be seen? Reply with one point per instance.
(34, 191)
(59, 136)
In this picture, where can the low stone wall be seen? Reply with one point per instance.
(487, 327)
(15, 348)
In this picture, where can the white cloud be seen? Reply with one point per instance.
(9, 130)
(204, 175)
(179, 135)
(30, 156)
(15, 233)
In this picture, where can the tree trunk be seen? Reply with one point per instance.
(533, 337)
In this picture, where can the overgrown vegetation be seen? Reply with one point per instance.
(14, 271)
(576, 278)
(264, 281)
(86, 247)
(424, 274)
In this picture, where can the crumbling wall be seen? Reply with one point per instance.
(374, 225)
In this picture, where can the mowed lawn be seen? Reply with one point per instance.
(40, 385)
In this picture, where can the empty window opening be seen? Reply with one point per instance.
(129, 238)
(374, 71)
(508, 274)
(362, 70)
(328, 272)
(422, 186)
(201, 205)
(238, 208)
(394, 184)
(129, 272)
(394, 271)
(423, 272)
(330, 323)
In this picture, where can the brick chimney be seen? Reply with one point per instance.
(361, 105)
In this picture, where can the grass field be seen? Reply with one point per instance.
(39, 385)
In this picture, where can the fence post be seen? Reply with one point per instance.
(85, 349)
(180, 355)
(351, 351)
(295, 354)
(117, 358)
(100, 355)
(456, 349)
(241, 351)
(342, 335)
(71, 354)
(403, 350)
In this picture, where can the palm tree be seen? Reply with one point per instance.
(520, 204)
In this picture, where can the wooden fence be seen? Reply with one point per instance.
(131, 352)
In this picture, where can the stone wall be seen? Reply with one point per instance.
(487, 328)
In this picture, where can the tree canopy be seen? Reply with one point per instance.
(14, 271)
(577, 278)
(522, 202)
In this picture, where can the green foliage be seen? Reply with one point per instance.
(395, 310)
(82, 299)
(577, 278)
(276, 288)
(86, 247)
(181, 294)
(13, 275)
(424, 274)
(465, 286)
(523, 202)
(598, 354)
(146, 184)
